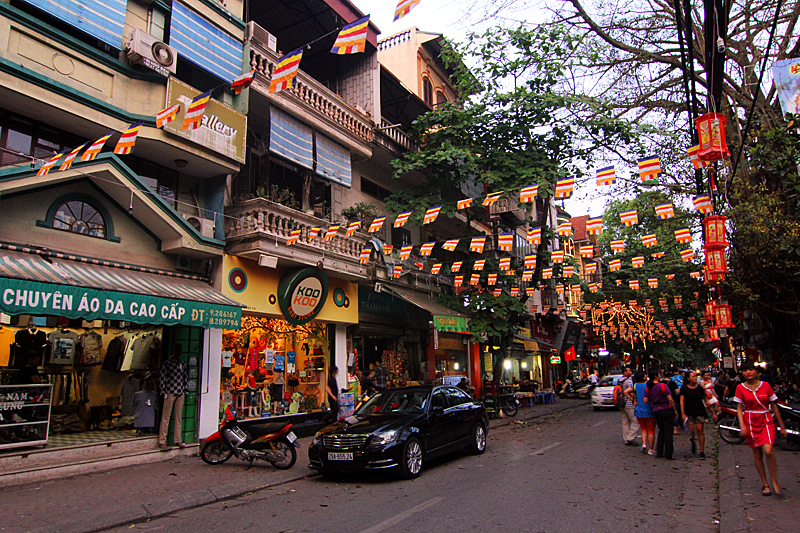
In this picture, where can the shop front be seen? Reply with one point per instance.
(293, 333)
(452, 350)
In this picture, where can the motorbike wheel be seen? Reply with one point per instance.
(510, 408)
(215, 453)
(730, 436)
(792, 442)
(286, 450)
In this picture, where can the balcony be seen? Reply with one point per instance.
(309, 100)
(507, 209)
(259, 226)
(393, 138)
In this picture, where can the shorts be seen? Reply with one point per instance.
(648, 425)
(697, 420)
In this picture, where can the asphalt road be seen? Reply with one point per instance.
(564, 473)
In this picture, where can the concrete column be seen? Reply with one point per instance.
(340, 354)
(209, 385)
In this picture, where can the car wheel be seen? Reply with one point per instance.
(411, 462)
(478, 444)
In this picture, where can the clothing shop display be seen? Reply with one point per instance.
(130, 386)
(144, 405)
(6, 341)
(63, 345)
(114, 354)
(145, 350)
(26, 341)
(226, 359)
(128, 359)
(90, 344)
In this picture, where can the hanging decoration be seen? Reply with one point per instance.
(376, 225)
(455, 267)
(126, 143)
(683, 235)
(665, 211)
(478, 265)
(240, 83)
(92, 152)
(426, 248)
(591, 268)
(629, 218)
(436, 268)
(165, 116)
(594, 226)
(331, 233)
(564, 188)
(403, 7)
(45, 169)
(431, 214)
(587, 251)
(294, 236)
(492, 279)
(530, 261)
(557, 256)
(352, 38)
(195, 111)
(505, 242)
(476, 244)
(711, 133)
(649, 240)
(491, 199)
(505, 264)
(615, 264)
(401, 219)
(638, 261)
(450, 245)
(618, 246)
(71, 157)
(606, 176)
(364, 257)
(703, 204)
(528, 194)
(285, 71)
(695, 158)
(564, 229)
(649, 168)
(534, 237)
(351, 228)
(687, 254)
(464, 204)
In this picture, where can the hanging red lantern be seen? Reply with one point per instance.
(711, 132)
(715, 233)
(716, 263)
(709, 314)
(723, 316)
(714, 333)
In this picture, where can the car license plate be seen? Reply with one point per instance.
(340, 456)
(291, 436)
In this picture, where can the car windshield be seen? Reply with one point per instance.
(607, 381)
(395, 402)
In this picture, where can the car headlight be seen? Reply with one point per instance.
(385, 437)
(317, 438)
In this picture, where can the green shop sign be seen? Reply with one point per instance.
(19, 297)
(452, 324)
(302, 295)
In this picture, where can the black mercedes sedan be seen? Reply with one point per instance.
(401, 429)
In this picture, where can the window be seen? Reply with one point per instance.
(161, 179)
(157, 23)
(400, 237)
(457, 396)
(80, 217)
(441, 98)
(439, 400)
(373, 189)
(20, 137)
(427, 91)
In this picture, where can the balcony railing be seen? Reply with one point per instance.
(387, 135)
(509, 206)
(259, 219)
(310, 94)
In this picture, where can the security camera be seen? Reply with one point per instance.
(720, 45)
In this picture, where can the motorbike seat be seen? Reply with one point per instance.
(265, 429)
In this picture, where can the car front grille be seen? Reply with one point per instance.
(344, 442)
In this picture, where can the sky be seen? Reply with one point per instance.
(448, 18)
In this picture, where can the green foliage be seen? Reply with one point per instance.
(361, 211)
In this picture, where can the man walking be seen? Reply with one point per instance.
(380, 376)
(173, 382)
(630, 427)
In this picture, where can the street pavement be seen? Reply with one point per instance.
(566, 470)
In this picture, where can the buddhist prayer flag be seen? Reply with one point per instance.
(313, 232)
(497, 292)
(478, 265)
(491, 198)
(242, 82)
(351, 229)
(575, 287)
(331, 233)
(687, 254)
(403, 7)
(397, 271)
(557, 256)
(528, 194)
(505, 263)
(514, 291)
(401, 219)
(426, 248)
(615, 264)
(294, 236)
(665, 211)
(128, 140)
(683, 235)
(568, 271)
(703, 203)
(652, 283)
(530, 261)
(474, 279)
(194, 113)
(547, 273)
(649, 168)
(560, 289)
(695, 159)
(71, 157)
(95, 148)
(649, 240)
(669, 276)
(662, 302)
(591, 268)
(587, 251)
(505, 242)
(564, 228)
(492, 279)
(165, 116)
(594, 286)
(534, 236)
(405, 252)
(638, 261)
(431, 214)
(477, 244)
(629, 218)
(530, 291)
(436, 268)
(606, 176)
(450, 245)
(465, 203)
(49, 164)
(618, 246)
(455, 267)
(387, 249)
(594, 226)
(419, 266)
(565, 187)
(364, 257)
(285, 71)
(678, 301)
(377, 224)
(695, 275)
(527, 275)
(352, 38)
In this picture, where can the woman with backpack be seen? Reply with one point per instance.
(644, 414)
(664, 410)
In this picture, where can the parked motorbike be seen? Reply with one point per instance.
(729, 428)
(791, 418)
(728, 423)
(274, 443)
(574, 389)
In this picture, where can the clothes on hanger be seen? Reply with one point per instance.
(6, 341)
(26, 341)
(90, 344)
(115, 353)
(145, 350)
(63, 346)
(130, 386)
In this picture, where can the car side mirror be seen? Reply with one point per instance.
(437, 410)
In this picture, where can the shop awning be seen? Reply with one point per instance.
(526, 342)
(73, 288)
(444, 318)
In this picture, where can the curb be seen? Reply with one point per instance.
(732, 514)
(501, 422)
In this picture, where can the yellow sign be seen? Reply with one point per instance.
(222, 129)
(257, 288)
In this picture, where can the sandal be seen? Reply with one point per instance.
(765, 491)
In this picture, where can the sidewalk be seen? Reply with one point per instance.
(742, 507)
(94, 502)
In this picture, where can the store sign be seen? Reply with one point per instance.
(20, 297)
(555, 360)
(222, 129)
(26, 409)
(453, 324)
(727, 362)
(302, 294)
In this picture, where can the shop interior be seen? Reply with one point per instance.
(397, 354)
(272, 368)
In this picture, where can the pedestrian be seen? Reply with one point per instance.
(174, 381)
(694, 401)
(664, 411)
(380, 376)
(332, 390)
(721, 386)
(630, 427)
(368, 383)
(593, 377)
(754, 399)
(711, 394)
(674, 388)
(644, 414)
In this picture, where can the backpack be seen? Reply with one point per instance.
(619, 398)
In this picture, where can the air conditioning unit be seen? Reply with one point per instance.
(256, 33)
(204, 226)
(145, 49)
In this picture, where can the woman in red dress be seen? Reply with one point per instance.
(754, 398)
